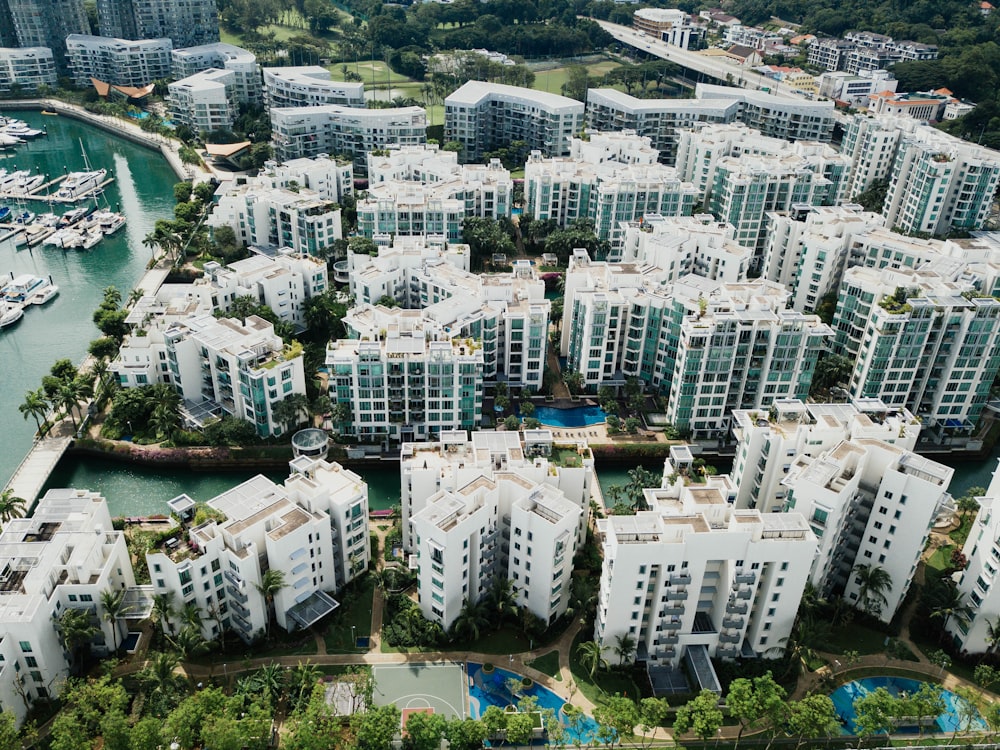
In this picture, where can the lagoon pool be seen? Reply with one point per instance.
(490, 689)
(843, 700)
(578, 416)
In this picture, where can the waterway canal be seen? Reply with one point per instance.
(143, 188)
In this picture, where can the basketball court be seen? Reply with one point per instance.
(441, 687)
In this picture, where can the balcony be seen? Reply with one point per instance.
(680, 579)
(671, 625)
(733, 622)
(668, 653)
(744, 593)
(729, 638)
(237, 594)
(736, 609)
(677, 594)
(727, 652)
(747, 578)
(669, 640)
(668, 611)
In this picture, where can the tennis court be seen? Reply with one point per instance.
(440, 686)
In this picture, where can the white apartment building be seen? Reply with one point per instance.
(680, 245)
(790, 118)
(935, 350)
(372, 277)
(694, 578)
(120, 62)
(936, 182)
(274, 217)
(869, 503)
(313, 528)
(855, 89)
(768, 441)
(506, 315)
(309, 86)
(25, 69)
(982, 550)
(486, 116)
(608, 178)
(405, 387)
(492, 526)
(46, 23)
(190, 60)
(334, 129)
(742, 175)
(217, 365)
(419, 191)
(669, 25)
(63, 557)
(808, 251)
(205, 101)
(328, 177)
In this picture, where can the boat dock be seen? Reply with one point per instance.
(34, 471)
(51, 197)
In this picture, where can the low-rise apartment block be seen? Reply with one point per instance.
(121, 62)
(330, 178)
(309, 86)
(669, 25)
(404, 387)
(190, 60)
(693, 578)
(608, 178)
(205, 101)
(63, 557)
(682, 245)
(871, 504)
(27, 68)
(491, 506)
(333, 129)
(313, 529)
(273, 217)
(487, 116)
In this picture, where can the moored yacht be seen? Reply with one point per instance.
(78, 184)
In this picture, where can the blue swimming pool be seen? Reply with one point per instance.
(843, 700)
(578, 416)
(487, 690)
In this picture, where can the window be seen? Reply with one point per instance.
(25, 646)
(86, 598)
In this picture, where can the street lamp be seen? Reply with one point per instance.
(354, 641)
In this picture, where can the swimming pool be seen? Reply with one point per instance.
(490, 689)
(578, 416)
(843, 700)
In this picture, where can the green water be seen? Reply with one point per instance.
(135, 491)
(143, 188)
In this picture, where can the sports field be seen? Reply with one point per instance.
(441, 687)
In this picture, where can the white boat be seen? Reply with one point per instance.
(64, 238)
(21, 129)
(91, 239)
(70, 218)
(43, 295)
(27, 182)
(10, 313)
(24, 218)
(19, 288)
(7, 140)
(78, 184)
(109, 221)
(47, 220)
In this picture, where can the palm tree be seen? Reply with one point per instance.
(273, 681)
(472, 620)
(158, 674)
(949, 603)
(112, 296)
(290, 409)
(873, 582)
(191, 615)
(270, 584)
(165, 416)
(99, 372)
(70, 394)
(11, 506)
(76, 630)
(189, 642)
(114, 608)
(591, 657)
(301, 681)
(624, 647)
(36, 406)
(501, 600)
(992, 637)
(163, 611)
(135, 295)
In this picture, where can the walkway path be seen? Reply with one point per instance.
(33, 472)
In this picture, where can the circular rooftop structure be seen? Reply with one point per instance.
(310, 442)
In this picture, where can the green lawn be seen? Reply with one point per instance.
(855, 637)
(605, 682)
(355, 611)
(368, 69)
(553, 80)
(941, 559)
(548, 664)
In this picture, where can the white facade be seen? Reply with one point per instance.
(274, 217)
(205, 101)
(120, 62)
(419, 191)
(329, 178)
(520, 500)
(486, 116)
(607, 178)
(976, 582)
(794, 119)
(872, 504)
(693, 573)
(668, 25)
(685, 244)
(769, 440)
(190, 60)
(309, 86)
(314, 529)
(855, 89)
(26, 69)
(333, 129)
(63, 557)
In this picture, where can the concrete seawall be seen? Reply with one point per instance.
(167, 147)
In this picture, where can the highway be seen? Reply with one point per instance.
(707, 66)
